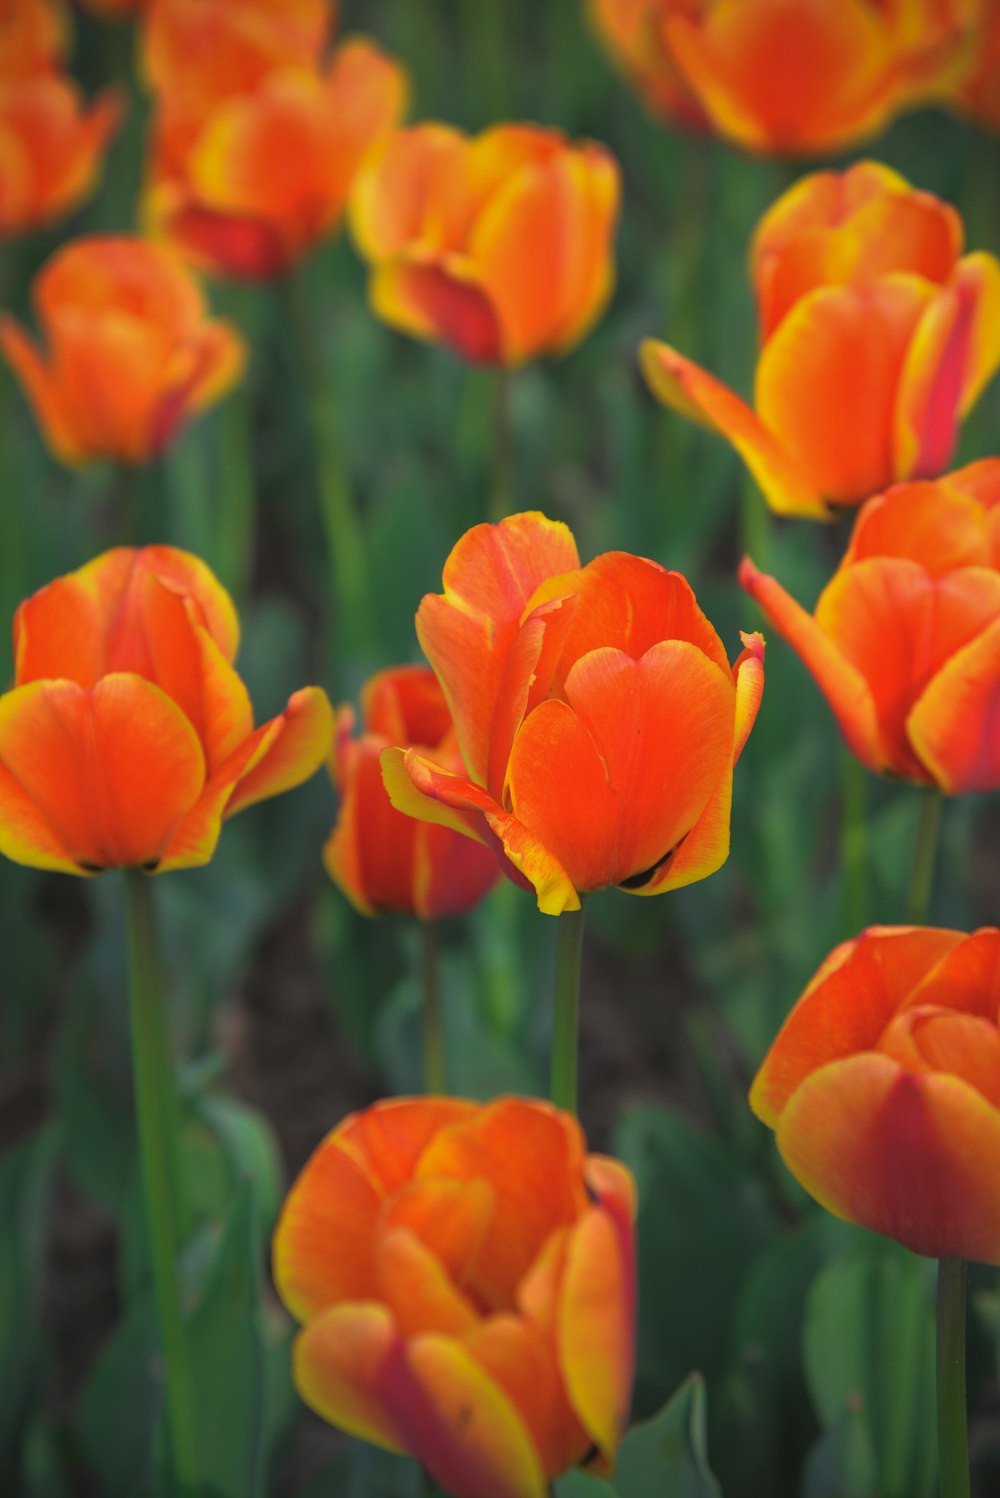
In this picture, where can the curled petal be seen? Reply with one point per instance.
(955, 724)
(324, 1242)
(288, 750)
(340, 1365)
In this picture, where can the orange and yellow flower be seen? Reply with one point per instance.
(33, 38)
(905, 640)
(380, 858)
(51, 148)
(128, 735)
(877, 337)
(466, 1279)
(131, 356)
(257, 141)
(883, 1088)
(786, 77)
(596, 711)
(977, 92)
(499, 245)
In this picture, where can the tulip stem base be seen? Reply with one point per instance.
(918, 896)
(952, 1416)
(435, 1073)
(565, 1018)
(156, 1115)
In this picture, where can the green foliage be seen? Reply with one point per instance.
(25, 1177)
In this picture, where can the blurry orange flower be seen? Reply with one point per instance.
(33, 38)
(128, 736)
(51, 146)
(500, 245)
(883, 1089)
(877, 338)
(596, 711)
(131, 355)
(788, 77)
(380, 858)
(256, 141)
(905, 642)
(978, 91)
(466, 1276)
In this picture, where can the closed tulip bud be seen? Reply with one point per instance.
(498, 245)
(873, 323)
(465, 1276)
(128, 736)
(905, 640)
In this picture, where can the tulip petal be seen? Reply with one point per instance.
(438, 299)
(389, 1140)
(323, 1249)
(521, 1359)
(40, 387)
(966, 978)
(916, 1157)
(417, 1289)
(393, 201)
(925, 1039)
(595, 1328)
(291, 747)
(933, 523)
(954, 726)
(339, 1366)
(684, 386)
(450, 1218)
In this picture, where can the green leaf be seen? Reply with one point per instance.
(117, 1418)
(583, 1485)
(842, 1463)
(666, 1457)
(25, 1178)
(250, 1147)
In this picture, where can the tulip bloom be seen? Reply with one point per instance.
(905, 641)
(978, 91)
(499, 246)
(466, 1277)
(51, 149)
(883, 1088)
(380, 858)
(596, 711)
(128, 735)
(33, 38)
(131, 357)
(877, 338)
(784, 77)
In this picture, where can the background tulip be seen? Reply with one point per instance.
(51, 149)
(978, 89)
(499, 245)
(596, 710)
(872, 322)
(33, 38)
(882, 1088)
(905, 641)
(131, 355)
(380, 858)
(128, 736)
(466, 1278)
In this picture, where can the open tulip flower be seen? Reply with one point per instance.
(131, 356)
(596, 710)
(466, 1279)
(499, 245)
(255, 152)
(785, 77)
(128, 735)
(382, 859)
(51, 149)
(883, 1088)
(873, 324)
(905, 640)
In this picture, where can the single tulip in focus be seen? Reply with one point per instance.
(51, 148)
(596, 710)
(130, 357)
(786, 77)
(877, 337)
(499, 245)
(380, 858)
(128, 736)
(883, 1088)
(905, 640)
(466, 1278)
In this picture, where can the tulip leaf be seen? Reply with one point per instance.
(666, 1457)
(250, 1147)
(117, 1417)
(842, 1462)
(25, 1176)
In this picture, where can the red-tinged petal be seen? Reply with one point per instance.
(201, 370)
(370, 854)
(389, 1139)
(846, 1008)
(925, 1039)
(675, 381)
(417, 1289)
(596, 1333)
(467, 632)
(933, 523)
(462, 1426)
(916, 1157)
(111, 771)
(966, 978)
(451, 874)
(954, 726)
(529, 672)
(292, 747)
(449, 1217)
(930, 386)
(978, 279)
(521, 1359)
(438, 300)
(406, 705)
(640, 744)
(843, 685)
(324, 1244)
(339, 1365)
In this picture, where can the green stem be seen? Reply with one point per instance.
(237, 511)
(156, 1118)
(918, 895)
(569, 947)
(501, 490)
(434, 1061)
(953, 1439)
(853, 843)
(755, 524)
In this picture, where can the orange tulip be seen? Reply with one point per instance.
(499, 246)
(905, 642)
(33, 38)
(596, 711)
(381, 859)
(877, 339)
(131, 355)
(786, 77)
(256, 141)
(883, 1088)
(51, 148)
(128, 736)
(978, 91)
(466, 1278)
